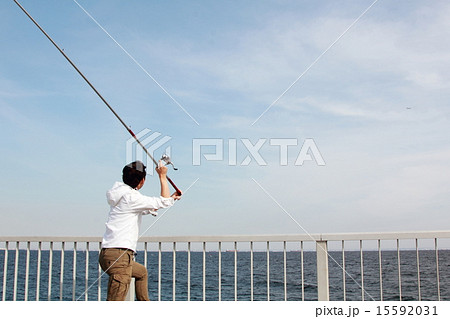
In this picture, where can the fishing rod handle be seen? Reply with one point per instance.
(179, 193)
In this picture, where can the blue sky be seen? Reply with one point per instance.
(376, 105)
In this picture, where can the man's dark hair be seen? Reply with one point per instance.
(134, 173)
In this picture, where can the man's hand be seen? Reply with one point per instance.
(175, 196)
(161, 170)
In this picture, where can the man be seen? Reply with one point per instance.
(127, 206)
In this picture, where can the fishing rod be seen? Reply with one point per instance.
(98, 93)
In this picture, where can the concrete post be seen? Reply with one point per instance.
(131, 291)
(323, 289)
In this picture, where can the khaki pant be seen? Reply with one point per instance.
(119, 264)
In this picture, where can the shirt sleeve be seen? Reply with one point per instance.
(139, 203)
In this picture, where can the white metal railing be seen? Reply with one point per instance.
(66, 268)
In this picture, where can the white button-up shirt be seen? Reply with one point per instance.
(124, 220)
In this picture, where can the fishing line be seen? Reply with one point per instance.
(135, 61)
(97, 92)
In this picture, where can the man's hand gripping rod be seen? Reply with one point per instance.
(98, 93)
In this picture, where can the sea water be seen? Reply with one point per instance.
(66, 287)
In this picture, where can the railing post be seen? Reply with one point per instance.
(131, 291)
(323, 291)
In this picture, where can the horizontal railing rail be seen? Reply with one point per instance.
(345, 266)
(248, 238)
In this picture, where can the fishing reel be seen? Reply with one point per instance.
(166, 159)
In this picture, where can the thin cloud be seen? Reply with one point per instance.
(379, 52)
